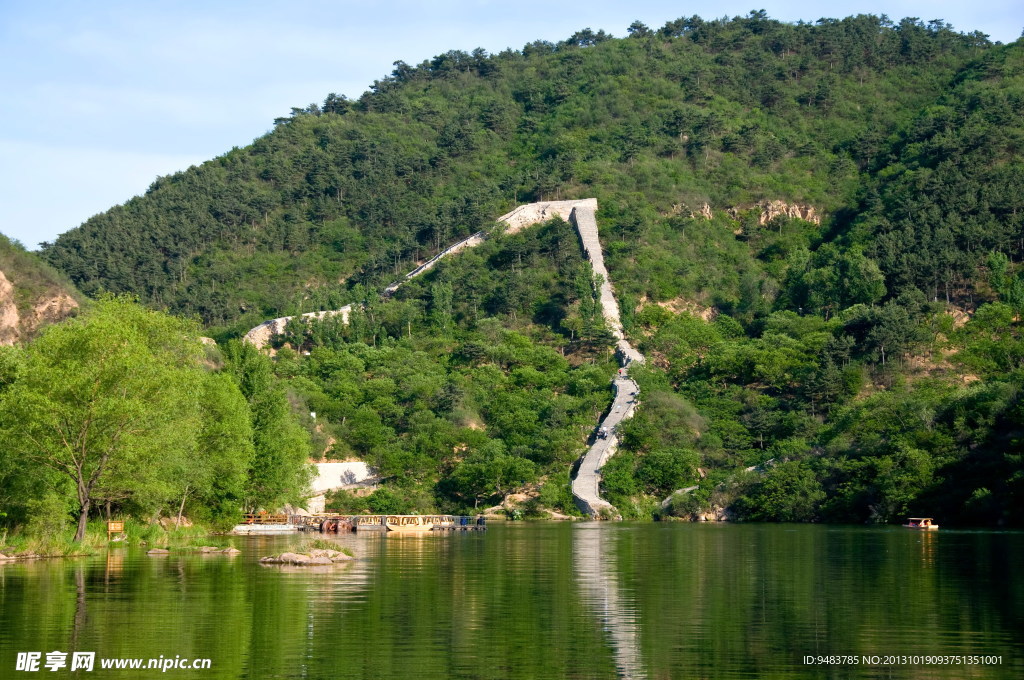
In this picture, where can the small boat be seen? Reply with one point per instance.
(409, 523)
(924, 523)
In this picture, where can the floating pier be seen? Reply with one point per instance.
(333, 523)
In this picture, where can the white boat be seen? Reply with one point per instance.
(923, 523)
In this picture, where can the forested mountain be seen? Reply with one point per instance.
(723, 112)
(860, 352)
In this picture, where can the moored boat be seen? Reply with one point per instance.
(409, 523)
(924, 523)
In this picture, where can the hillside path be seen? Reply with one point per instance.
(586, 486)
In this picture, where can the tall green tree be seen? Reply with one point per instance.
(105, 397)
(216, 478)
(279, 472)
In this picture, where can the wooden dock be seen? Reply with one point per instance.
(333, 523)
(336, 523)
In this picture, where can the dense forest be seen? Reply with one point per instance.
(719, 112)
(857, 362)
(125, 410)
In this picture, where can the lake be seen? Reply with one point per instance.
(544, 600)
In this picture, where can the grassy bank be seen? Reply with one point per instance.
(49, 545)
(23, 544)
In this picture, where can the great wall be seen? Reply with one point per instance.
(582, 214)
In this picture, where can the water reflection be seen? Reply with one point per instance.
(542, 601)
(928, 542)
(597, 580)
(79, 621)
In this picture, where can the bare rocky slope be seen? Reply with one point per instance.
(32, 295)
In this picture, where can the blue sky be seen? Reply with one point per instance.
(102, 97)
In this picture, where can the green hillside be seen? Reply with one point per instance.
(723, 112)
(862, 366)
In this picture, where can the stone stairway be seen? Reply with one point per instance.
(586, 486)
(470, 242)
(583, 215)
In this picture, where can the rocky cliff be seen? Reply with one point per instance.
(768, 211)
(32, 295)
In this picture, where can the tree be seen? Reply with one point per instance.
(279, 472)
(788, 492)
(664, 471)
(638, 29)
(894, 331)
(830, 280)
(217, 476)
(490, 472)
(100, 396)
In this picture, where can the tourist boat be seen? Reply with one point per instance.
(408, 524)
(924, 523)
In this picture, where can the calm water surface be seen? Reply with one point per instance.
(544, 600)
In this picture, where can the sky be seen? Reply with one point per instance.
(101, 98)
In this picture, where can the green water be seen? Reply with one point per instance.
(541, 601)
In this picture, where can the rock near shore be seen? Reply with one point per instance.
(313, 558)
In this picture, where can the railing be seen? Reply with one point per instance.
(265, 519)
(439, 521)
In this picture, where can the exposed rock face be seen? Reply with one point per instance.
(50, 311)
(16, 325)
(715, 514)
(10, 320)
(679, 305)
(705, 212)
(772, 209)
(769, 211)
